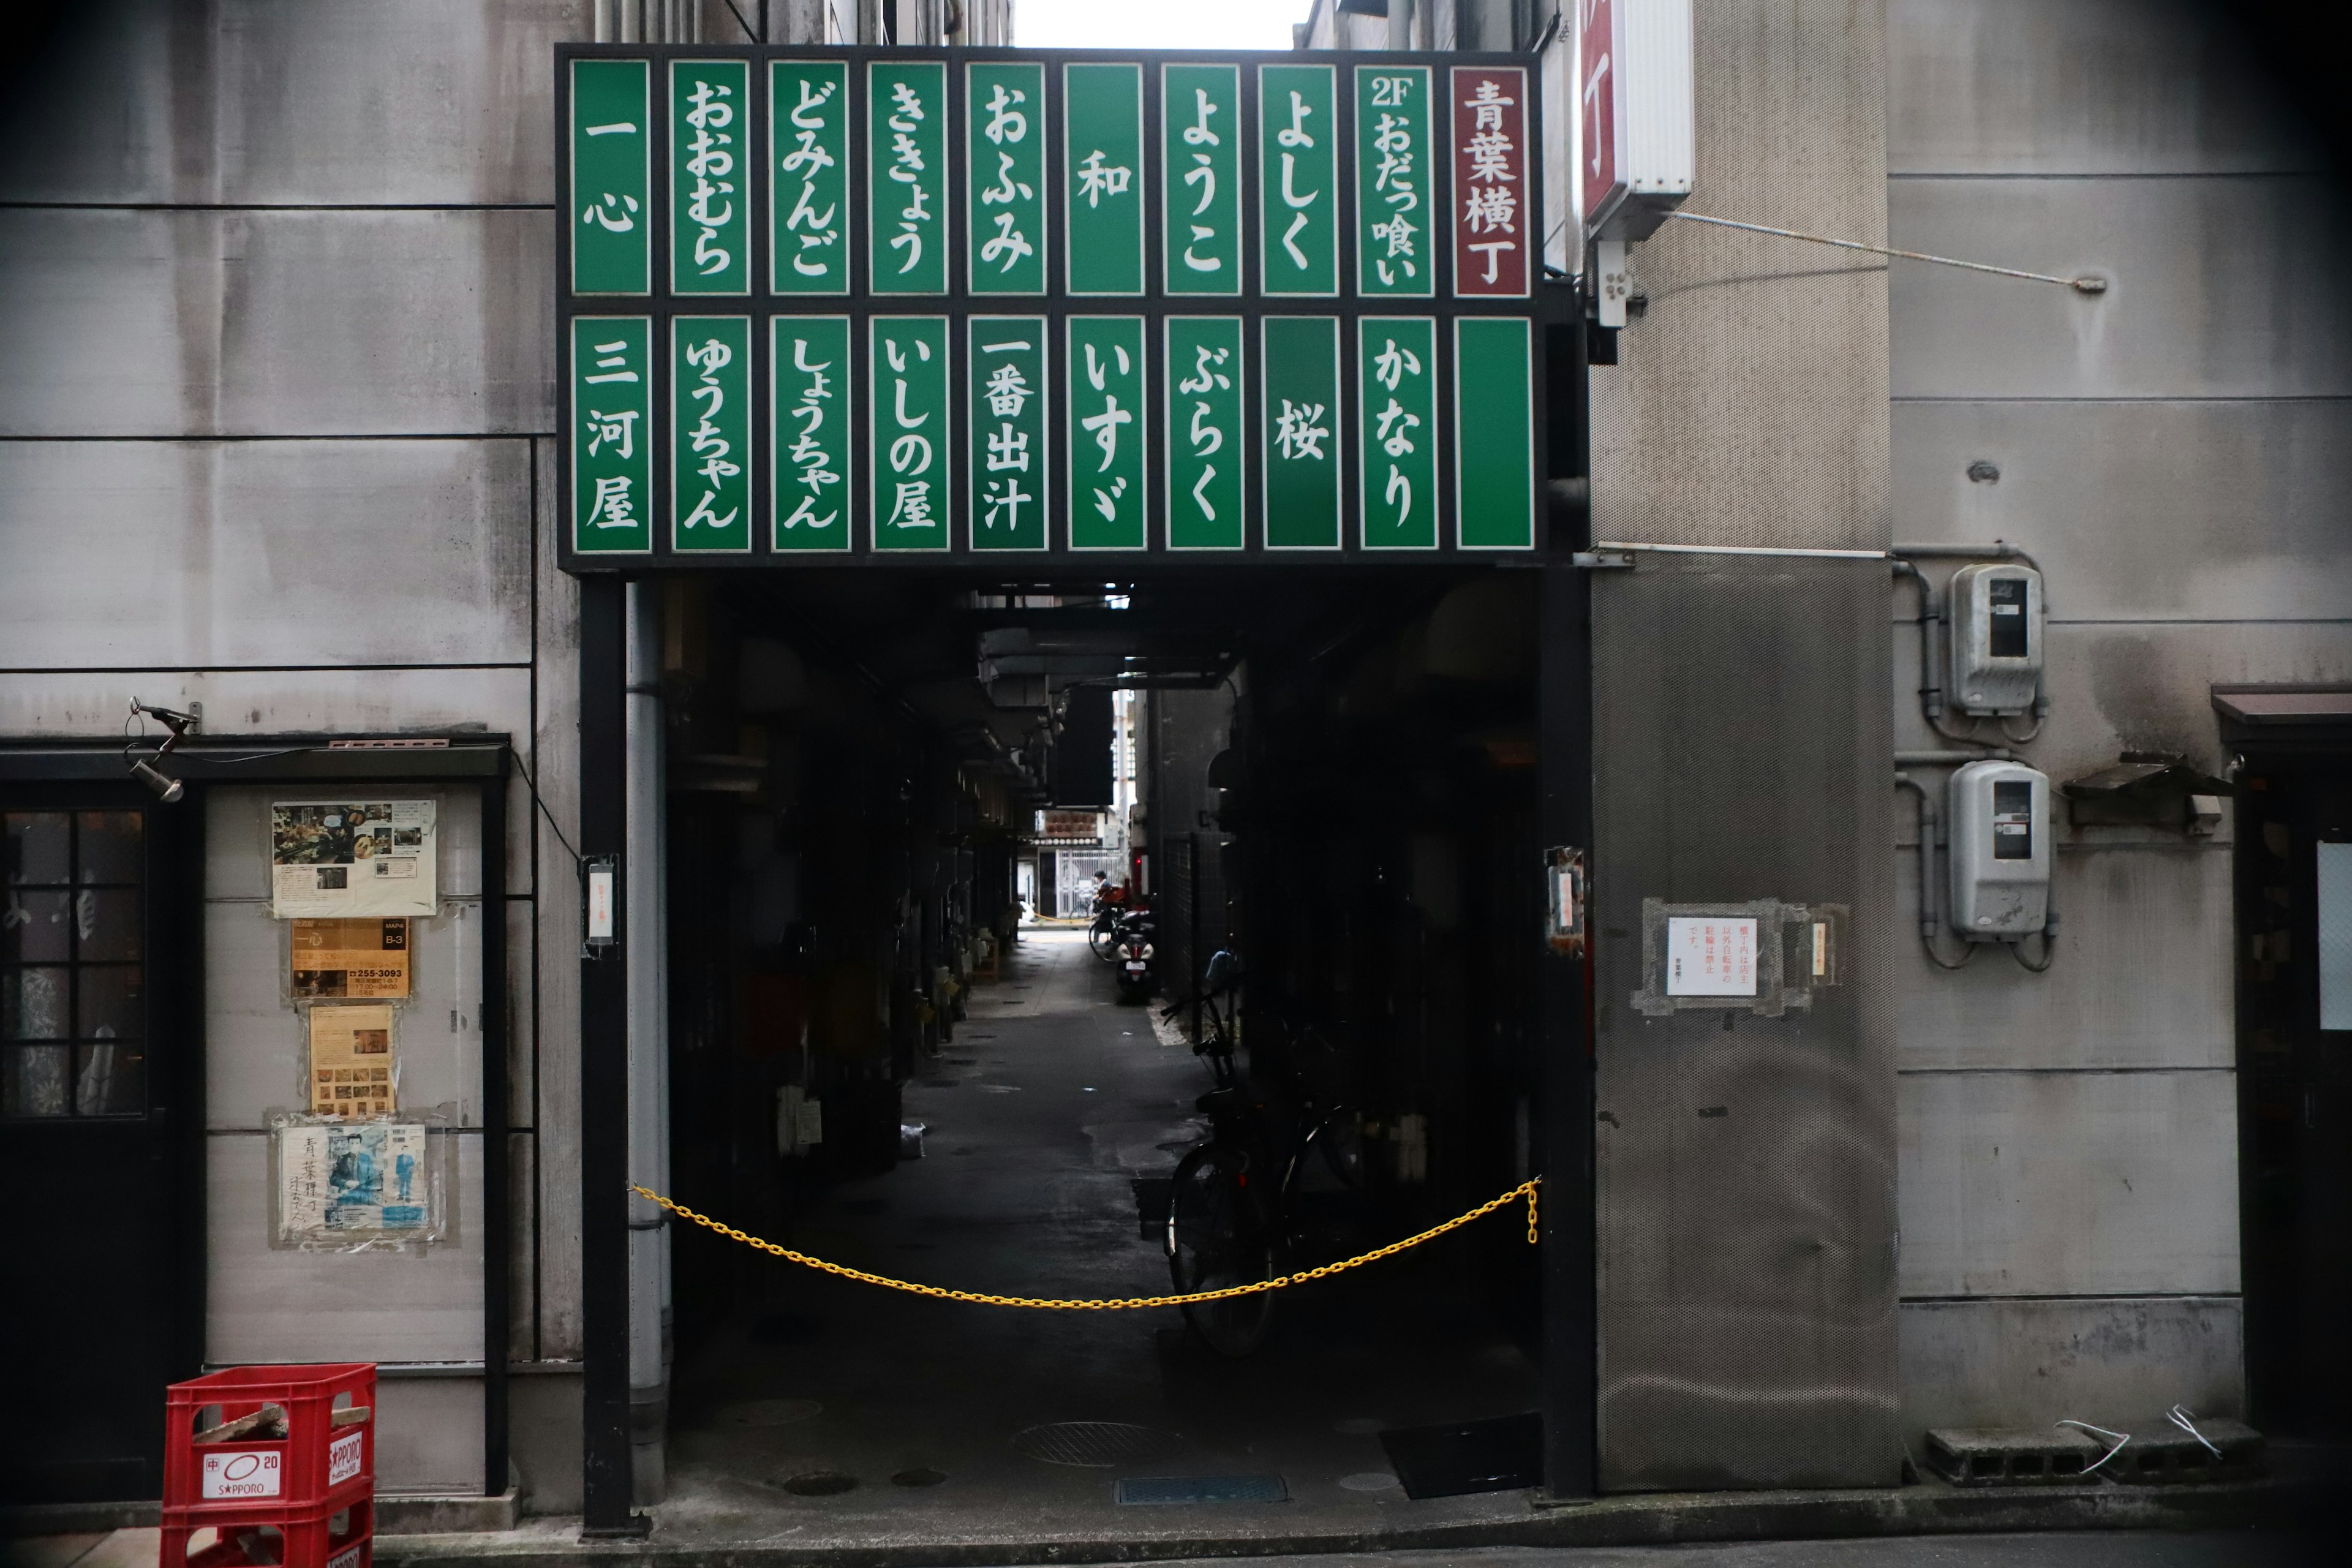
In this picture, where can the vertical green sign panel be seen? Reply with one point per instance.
(1393, 165)
(1006, 435)
(1203, 400)
(1102, 188)
(908, 433)
(1201, 179)
(1297, 175)
(1396, 431)
(1005, 174)
(1300, 410)
(1107, 433)
(710, 432)
(612, 435)
(612, 177)
(808, 177)
(905, 176)
(710, 190)
(808, 432)
(1493, 434)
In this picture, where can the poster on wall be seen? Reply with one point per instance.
(351, 1071)
(349, 1183)
(352, 858)
(362, 959)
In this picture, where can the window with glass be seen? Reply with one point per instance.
(73, 997)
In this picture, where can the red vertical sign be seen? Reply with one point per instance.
(1596, 100)
(1494, 221)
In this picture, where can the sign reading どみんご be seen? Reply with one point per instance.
(897, 304)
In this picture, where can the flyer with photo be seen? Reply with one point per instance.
(358, 958)
(347, 857)
(351, 1060)
(369, 1176)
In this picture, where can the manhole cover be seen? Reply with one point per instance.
(820, 1483)
(918, 1477)
(1099, 1445)
(770, 1412)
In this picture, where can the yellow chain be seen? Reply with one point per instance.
(1525, 1189)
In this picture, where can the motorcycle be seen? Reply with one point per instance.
(1133, 959)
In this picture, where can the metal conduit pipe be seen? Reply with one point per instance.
(1931, 917)
(1952, 759)
(646, 954)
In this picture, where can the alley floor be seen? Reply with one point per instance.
(845, 1412)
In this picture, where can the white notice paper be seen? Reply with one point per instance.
(343, 859)
(1710, 955)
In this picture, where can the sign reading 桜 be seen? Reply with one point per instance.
(821, 303)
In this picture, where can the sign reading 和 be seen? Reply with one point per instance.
(823, 304)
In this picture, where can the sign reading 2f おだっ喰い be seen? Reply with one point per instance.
(901, 305)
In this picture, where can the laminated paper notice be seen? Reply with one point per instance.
(367, 1176)
(360, 959)
(1711, 956)
(349, 857)
(351, 1060)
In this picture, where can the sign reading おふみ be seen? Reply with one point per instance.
(897, 304)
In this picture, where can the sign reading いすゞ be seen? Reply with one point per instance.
(828, 304)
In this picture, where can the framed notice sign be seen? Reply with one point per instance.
(346, 857)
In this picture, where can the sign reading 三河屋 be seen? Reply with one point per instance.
(821, 304)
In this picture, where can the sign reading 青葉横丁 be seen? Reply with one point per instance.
(898, 304)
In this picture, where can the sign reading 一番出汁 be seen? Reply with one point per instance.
(826, 304)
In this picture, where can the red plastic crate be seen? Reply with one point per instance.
(316, 1464)
(306, 1538)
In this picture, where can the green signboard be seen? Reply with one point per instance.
(808, 432)
(1046, 303)
(1393, 232)
(905, 176)
(711, 211)
(1396, 431)
(1298, 181)
(1005, 135)
(1007, 439)
(710, 432)
(1204, 440)
(1201, 173)
(1494, 433)
(1102, 180)
(908, 432)
(612, 435)
(1106, 439)
(808, 177)
(612, 177)
(1299, 431)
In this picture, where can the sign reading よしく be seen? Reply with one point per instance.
(905, 304)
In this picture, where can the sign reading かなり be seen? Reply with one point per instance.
(898, 304)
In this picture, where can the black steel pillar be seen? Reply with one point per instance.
(497, 1196)
(1564, 818)
(607, 1483)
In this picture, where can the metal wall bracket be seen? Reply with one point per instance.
(1602, 560)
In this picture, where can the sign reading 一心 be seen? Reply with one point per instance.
(828, 304)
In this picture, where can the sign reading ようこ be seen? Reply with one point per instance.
(906, 305)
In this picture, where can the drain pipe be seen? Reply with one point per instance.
(647, 955)
(1930, 831)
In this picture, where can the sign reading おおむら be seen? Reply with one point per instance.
(899, 304)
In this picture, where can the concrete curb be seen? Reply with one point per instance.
(1646, 1521)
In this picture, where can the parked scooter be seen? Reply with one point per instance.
(1133, 958)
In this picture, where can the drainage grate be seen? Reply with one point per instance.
(1201, 1488)
(1097, 1445)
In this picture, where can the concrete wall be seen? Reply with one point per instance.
(2173, 453)
(276, 421)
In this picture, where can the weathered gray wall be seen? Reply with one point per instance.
(2175, 454)
(1747, 1169)
(276, 418)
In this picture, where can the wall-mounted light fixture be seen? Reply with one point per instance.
(143, 769)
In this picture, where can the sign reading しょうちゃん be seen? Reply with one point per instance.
(905, 305)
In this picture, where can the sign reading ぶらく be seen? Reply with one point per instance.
(901, 304)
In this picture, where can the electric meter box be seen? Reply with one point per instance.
(2000, 872)
(1996, 641)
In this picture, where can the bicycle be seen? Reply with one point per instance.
(1226, 1228)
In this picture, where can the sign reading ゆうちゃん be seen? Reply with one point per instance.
(822, 304)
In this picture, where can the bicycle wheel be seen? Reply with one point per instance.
(1214, 1242)
(1102, 937)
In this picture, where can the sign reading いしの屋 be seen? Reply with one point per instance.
(905, 305)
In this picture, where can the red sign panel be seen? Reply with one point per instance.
(1495, 220)
(1596, 97)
